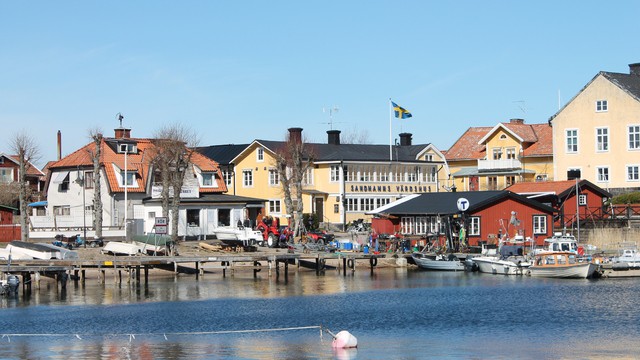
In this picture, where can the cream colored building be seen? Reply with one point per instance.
(494, 158)
(345, 180)
(598, 132)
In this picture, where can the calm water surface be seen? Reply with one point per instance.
(395, 314)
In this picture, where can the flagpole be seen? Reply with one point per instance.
(390, 133)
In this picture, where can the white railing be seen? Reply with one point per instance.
(499, 164)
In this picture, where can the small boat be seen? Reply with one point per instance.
(122, 248)
(35, 251)
(438, 262)
(63, 253)
(628, 257)
(6, 253)
(501, 266)
(560, 264)
(238, 236)
(153, 244)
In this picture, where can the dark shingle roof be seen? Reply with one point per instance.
(223, 154)
(446, 202)
(628, 82)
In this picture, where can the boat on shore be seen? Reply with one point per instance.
(560, 264)
(35, 251)
(6, 254)
(122, 248)
(238, 236)
(440, 262)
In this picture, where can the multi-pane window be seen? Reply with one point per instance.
(62, 210)
(351, 173)
(383, 174)
(367, 204)
(582, 199)
(207, 179)
(539, 224)
(421, 225)
(497, 153)
(492, 183)
(509, 180)
(227, 176)
(88, 180)
(335, 173)
(433, 224)
(352, 204)
(407, 223)
(474, 226)
(260, 154)
(601, 105)
(511, 153)
(602, 139)
(572, 140)
(307, 177)
(431, 174)
(365, 173)
(382, 202)
(632, 173)
(6, 175)
(603, 174)
(634, 137)
(128, 178)
(247, 178)
(274, 206)
(412, 175)
(274, 177)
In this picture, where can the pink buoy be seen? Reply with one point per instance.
(344, 339)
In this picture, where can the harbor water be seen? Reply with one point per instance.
(394, 313)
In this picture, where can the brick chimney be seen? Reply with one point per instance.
(122, 133)
(634, 69)
(333, 137)
(517, 121)
(295, 134)
(59, 145)
(405, 139)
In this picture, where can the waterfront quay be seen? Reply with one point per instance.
(137, 269)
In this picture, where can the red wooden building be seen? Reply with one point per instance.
(8, 229)
(489, 215)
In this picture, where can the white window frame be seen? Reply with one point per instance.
(568, 136)
(247, 178)
(307, 177)
(6, 175)
(582, 199)
(633, 172)
(260, 154)
(511, 153)
(275, 206)
(131, 175)
(602, 174)
(208, 175)
(602, 106)
(602, 139)
(274, 177)
(539, 224)
(474, 226)
(421, 225)
(352, 205)
(633, 137)
(407, 224)
(227, 177)
(334, 175)
(62, 210)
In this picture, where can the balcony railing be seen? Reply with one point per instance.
(499, 164)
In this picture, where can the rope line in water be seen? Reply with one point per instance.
(132, 336)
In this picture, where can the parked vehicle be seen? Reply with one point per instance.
(70, 242)
(270, 229)
(320, 237)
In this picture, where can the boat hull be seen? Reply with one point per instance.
(237, 236)
(492, 265)
(572, 271)
(439, 263)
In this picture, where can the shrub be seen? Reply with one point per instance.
(628, 198)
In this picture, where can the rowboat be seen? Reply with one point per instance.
(437, 262)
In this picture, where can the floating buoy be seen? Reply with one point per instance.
(344, 339)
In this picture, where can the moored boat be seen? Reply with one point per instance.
(560, 264)
(438, 262)
(499, 266)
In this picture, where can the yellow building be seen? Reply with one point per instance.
(345, 180)
(598, 132)
(494, 158)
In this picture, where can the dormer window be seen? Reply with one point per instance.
(127, 148)
(601, 106)
(207, 179)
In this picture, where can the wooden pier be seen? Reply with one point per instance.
(136, 268)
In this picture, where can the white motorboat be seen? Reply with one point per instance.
(560, 264)
(35, 251)
(6, 253)
(122, 248)
(501, 266)
(628, 257)
(438, 262)
(64, 254)
(238, 236)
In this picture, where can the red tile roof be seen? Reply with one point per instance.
(556, 187)
(138, 162)
(467, 147)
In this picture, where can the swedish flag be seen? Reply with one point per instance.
(400, 112)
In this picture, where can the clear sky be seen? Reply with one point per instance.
(242, 70)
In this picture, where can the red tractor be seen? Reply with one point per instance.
(269, 227)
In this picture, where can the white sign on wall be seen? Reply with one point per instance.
(463, 204)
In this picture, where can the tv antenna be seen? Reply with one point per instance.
(522, 105)
(119, 117)
(331, 111)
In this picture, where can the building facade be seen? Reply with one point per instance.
(598, 132)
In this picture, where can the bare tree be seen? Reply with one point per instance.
(26, 150)
(96, 135)
(171, 158)
(293, 160)
(356, 136)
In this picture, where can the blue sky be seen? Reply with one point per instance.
(240, 70)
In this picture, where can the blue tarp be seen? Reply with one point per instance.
(39, 203)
